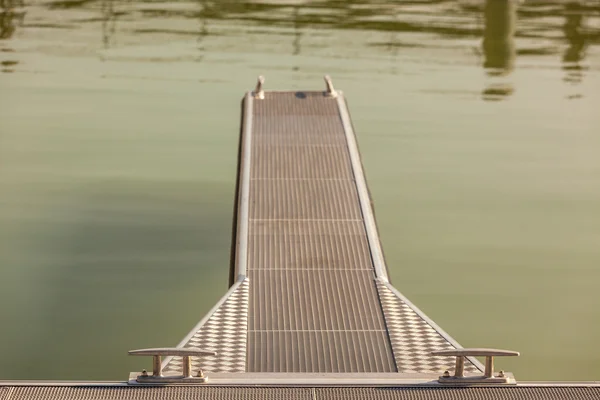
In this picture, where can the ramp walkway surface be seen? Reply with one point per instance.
(311, 291)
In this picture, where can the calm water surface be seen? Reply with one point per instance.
(119, 123)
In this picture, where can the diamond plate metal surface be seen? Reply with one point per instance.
(413, 339)
(225, 332)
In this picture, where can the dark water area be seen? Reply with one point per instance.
(119, 120)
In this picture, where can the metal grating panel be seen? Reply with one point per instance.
(319, 351)
(288, 393)
(225, 333)
(413, 339)
(160, 393)
(471, 393)
(316, 131)
(304, 199)
(313, 303)
(308, 245)
(296, 104)
(301, 162)
(314, 300)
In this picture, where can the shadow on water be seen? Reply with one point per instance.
(125, 241)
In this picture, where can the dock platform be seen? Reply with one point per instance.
(311, 313)
(311, 291)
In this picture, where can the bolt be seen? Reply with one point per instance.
(501, 374)
(144, 372)
(446, 374)
(200, 374)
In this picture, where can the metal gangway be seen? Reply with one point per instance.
(310, 313)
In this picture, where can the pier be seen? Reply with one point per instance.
(311, 312)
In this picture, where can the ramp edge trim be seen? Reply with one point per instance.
(363, 191)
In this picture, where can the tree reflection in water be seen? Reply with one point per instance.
(11, 15)
(109, 20)
(499, 48)
(575, 35)
(203, 18)
(410, 23)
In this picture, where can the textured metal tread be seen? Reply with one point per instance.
(303, 199)
(289, 393)
(319, 351)
(306, 244)
(413, 339)
(301, 162)
(159, 393)
(472, 393)
(291, 131)
(314, 300)
(295, 104)
(225, 332)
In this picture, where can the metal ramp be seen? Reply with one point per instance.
(311, 313)
(312, 292)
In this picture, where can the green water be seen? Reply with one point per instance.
(119, 123)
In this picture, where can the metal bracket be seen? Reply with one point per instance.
(259, 93)
(488, 376)
(330, 91)
(157, 373)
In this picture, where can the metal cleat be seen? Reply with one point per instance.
(488, 376)
(259, 93)
(157, 373)
(330, 91)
